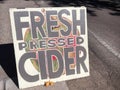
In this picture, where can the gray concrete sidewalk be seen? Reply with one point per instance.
(6, 83)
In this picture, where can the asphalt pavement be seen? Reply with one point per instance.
(104, 43)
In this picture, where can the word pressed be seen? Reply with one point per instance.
(51, 43)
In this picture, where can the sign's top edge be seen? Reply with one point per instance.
(47, 7)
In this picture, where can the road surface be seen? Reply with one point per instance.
(104, 49)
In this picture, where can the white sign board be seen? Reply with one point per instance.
(50, 44)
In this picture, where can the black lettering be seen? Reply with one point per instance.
(37, 26)
(65, 21)
(42, 64)
(80, 22)
(22, 71)
(51, 23)
(80, 60)
(59, 57)
(19, 25)
(68, 61)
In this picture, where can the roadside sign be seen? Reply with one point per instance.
(51, 44)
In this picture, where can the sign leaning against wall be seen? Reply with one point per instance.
(50, 44)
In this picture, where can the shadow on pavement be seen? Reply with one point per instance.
(7, 61)
(2, 1)
(113, 5)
